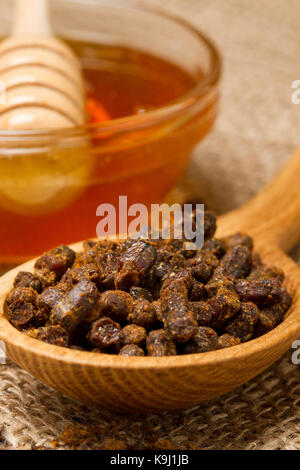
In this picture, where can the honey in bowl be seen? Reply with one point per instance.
(52, 183)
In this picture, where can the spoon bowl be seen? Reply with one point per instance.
(147, 384)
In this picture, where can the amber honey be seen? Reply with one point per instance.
(49, 191)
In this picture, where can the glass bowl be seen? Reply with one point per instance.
(51, 182)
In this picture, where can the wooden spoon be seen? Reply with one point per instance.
(41, 75)
(146, 384)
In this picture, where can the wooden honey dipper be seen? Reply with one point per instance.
(40, 74)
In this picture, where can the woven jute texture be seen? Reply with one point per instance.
(257, 130)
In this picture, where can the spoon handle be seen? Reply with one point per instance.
(31, 18)
(273, 216)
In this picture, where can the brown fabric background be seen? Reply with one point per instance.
(257, 130)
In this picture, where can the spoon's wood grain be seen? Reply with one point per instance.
(155, 384)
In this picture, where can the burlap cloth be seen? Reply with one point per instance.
(257, 130)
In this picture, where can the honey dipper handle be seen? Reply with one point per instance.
(31, 18)
(274, 214)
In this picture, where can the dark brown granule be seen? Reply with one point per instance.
(116, 305)
(162, 270)
(25, 294)
(177, 261)
(186, 251)
(238, 239)
(163, 254)
(226, 341)
(74, 275)
(89, 244)
(181, 325)
(87, 256)
(21, 314)
(215, 247)
(203, 312)
(56, 261)
(184, 276)
(197, 291)
(165, 249)
(205, 339)
(135, 262)
(158, 311)
(159, 343)
(108, 266)
(285, 301)
(256, 260)
(143, 313)
(105, 335)
(133, 334)
(243, 325)
(214, 285)
(203, 266)
(128, 277)
(225, 305)
(26, 279)
(131, 350)
(220, 274)
(263, 272)
(48, 299)
(263, 292)
(137, 292)
(19, 311)
(179, 319)
(272, 315)
(210, 225)
(51, 335)
(110, 246)
(237, 261)
(47, 278)
(151, 282)
(77, 305)
(266, 322)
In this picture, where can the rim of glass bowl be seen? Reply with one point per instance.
(155, 116)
